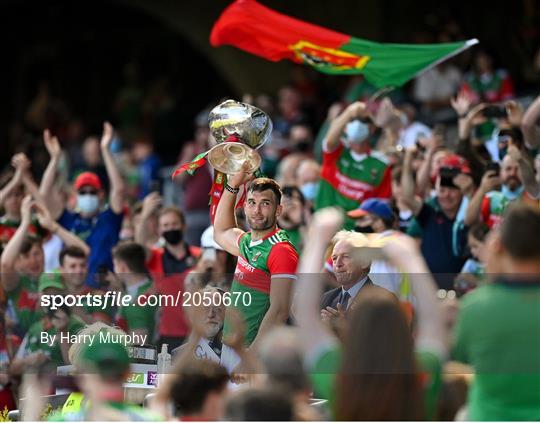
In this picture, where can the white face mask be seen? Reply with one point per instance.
(87, 203)
(356, 132)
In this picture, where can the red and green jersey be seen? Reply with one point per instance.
(22, 305)
(346, 182)
(258, 263)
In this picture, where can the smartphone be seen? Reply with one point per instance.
(447, 175)
(495, 111)
(496, 167)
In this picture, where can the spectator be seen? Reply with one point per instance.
(210, 347)
(91, 162)
(485, 84)
(139, 317)
(434, 88)
(352, 376)
(256, 404)
(71, 276)
(308, 175)
(350, 172)
(506, 384)
(376, 216)
(197, 186)
(148, 166)
(98, 226)
(168, 265)
(294, 215)
(290, 111)
(198, 390)
(22, 263)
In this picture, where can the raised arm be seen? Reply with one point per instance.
(46, 188)
(424, 172)
(407, 183)
(47, 222)
(333, 138)
(21, 165)
(309, 287)
(402, 251)
(490, 181)
(116, 196)
(12, 250)
(226, 232)
(529, 126)
(150, 204)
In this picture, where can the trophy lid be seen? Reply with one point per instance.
(251, 125)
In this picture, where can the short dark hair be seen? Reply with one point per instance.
(293, 191)
(263, 184)
(29, 242)
(479, 231)
(268, 404)
(194, 380)
(133, 255)
(520, 222)
(72, 251)
(175, 210)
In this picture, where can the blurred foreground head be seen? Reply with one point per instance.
(378, 363)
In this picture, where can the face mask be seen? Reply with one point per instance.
(173, 237)
(356, 132)
(87, 203)
(309, 190)
(512, 195)
(364, 229)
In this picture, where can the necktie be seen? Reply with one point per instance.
(344, 301)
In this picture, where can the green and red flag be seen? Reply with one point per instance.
(264, 32)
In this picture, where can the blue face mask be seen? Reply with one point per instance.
(87, 203)
(512, 195)
(309, 190)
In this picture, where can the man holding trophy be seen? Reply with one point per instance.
(266, 258)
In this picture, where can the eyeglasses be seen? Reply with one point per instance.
(87, 192)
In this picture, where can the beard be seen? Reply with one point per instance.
(212, 329)
(513, 183)
(260, 225)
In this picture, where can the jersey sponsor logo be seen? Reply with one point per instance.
(256, 256)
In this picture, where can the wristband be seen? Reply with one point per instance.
(231, 189)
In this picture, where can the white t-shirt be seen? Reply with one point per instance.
(437, 84)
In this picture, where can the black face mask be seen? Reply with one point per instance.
(173, 237)
(364, 229)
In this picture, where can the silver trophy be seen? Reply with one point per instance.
(249, 125)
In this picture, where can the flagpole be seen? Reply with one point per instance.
(466, 45)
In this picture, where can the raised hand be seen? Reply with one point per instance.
(107, 136)
(385, 113)
(490, 181)
(326, 222)
(52, 144)
(515, 112)
(242, 177)
(150, 204)
(44, 217)
(356, 110)
(461, 103)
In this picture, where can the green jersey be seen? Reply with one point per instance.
(22, 305)
(498, 333)
(36, 340)
(139, 315)
(258, 263)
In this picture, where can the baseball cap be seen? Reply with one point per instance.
(453, 161)
(376, 206)
(105, 358)
(50, 280)
(87, 178)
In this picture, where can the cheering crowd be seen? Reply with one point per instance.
(385, 268)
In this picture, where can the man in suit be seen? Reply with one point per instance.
(351, 272)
